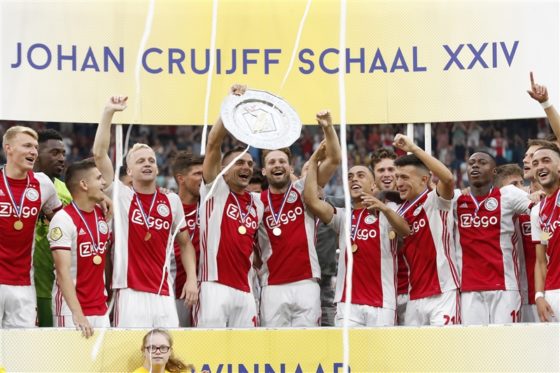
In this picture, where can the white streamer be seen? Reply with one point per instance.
(141, 47)
(210, 74)
(347, 203)
(296, 44)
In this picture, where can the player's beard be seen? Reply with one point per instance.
(280, 184)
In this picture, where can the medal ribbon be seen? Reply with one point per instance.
(139, 203)
(94, 243)
(406, 206)
(17, 208)
(242, 216)
(357, 225)
(276, 216)
(476, 203)
(543, 205)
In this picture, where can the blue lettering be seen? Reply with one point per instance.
(453, 57)
(298, 369)
(70, 57)
(319, 369)
(337, 366)
(494, 55)
(30, 56)
(246, 60)
(322, 60)
(206, 67)
(269, 369)
(301, 57)
(233, 62)
(509, 55)
(176, 60)
(415, 66)
(477, 56)
(269, 61)
(360, 60)
(17, 64)
(399, 58)
(89, 61)
(145, 60)
(108, 55)
(378, 62)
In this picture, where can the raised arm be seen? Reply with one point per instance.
(332, 160)
(212, 159)
(446, 182)
(103, 136)
(539, 93)
(397, 222)
(188, 259)
(321, 209)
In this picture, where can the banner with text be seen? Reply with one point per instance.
(404, 61)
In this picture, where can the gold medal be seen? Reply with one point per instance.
(241, 229)
(147, 236)
(545, 236)
(277, 231)
(354, 248)
(392, 235)
(97, 260)
(18, 225)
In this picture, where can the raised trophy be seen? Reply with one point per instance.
(261, 119)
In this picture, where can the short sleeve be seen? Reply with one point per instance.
(62, 231)
(337, 221)
(517, 199)
(536, 231)
(49, 198)
(178, 213)
(438, 202)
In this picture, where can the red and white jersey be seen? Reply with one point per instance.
(16, 246)
(140, 263)
(428, 249)
(545, 221)
(486, 239)
(402, 273)
(526, 248)
(375, 261)
(225, 253)
(193, 227)
(291, 256)
(67, 231)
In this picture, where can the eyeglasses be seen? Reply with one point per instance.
(162, 349)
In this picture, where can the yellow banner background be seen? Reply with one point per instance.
(521, 348)
(495, 92)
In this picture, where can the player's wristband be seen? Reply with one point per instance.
(539, 294)
(545, 105)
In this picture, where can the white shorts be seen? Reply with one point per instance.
(362, 315)
(139, 309)
(529, 313)
(221, 306)
(402, 300)
(491, 307)
(442, 309)
(553, 298)
(184, 313)
(297, 304)
(66, 321)
(18, 306)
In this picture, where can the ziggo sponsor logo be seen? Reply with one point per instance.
(285, 218)
(365, 234)
(232, 212)
(6, 210)
(468, 221)
(86, 249)
(153, 222)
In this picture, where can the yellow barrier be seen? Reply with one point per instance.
(406, 61)
(521, 347)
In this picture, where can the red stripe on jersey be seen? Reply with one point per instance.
(447, 249)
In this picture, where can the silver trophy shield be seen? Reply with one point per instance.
(261, 119)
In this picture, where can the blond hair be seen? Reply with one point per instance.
(136, 147)
(12, 132)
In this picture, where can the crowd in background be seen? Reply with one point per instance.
(452, 143)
